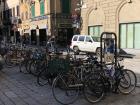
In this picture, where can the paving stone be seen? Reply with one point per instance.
(5, 99)
(10, 94)
(20, 89)
(18, 101)
(31, 101)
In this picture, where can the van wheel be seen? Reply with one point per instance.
(76, 49)
(98, 52)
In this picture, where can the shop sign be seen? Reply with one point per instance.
(26, 27)
(65, 25)
(39, 18)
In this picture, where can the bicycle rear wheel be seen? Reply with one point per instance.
(42, 78)
(127, 82)
(23, 67)
(65, 89)
(94, 89)
(9, 61)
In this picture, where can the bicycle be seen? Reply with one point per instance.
(72, 83)
(111, 79)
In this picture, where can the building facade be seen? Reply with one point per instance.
(44, 18)
(34, 21)
(119, 16)
(61, 19)
(9, 18)
(52, 18)
(25, 16)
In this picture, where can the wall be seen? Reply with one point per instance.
(108, 10)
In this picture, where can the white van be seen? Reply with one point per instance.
(85, 43)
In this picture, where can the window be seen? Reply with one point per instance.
(130, 35)
(22, 16)
(96, 39)
(66, 5)
(95, 30)
(42, 7)
(123, 35)
(26, 14)
(81, 38)
(17, 10)
(33, 10)
(137, 36)
(88, 39)
(75, 38)
(14, 11)
(21, 1)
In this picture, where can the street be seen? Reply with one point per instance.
(17, 88)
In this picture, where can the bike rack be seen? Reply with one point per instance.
(108, 48)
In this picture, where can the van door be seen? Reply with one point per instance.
(80, 43)
(88, 44)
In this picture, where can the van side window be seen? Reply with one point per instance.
(75, 38)
(81, 38)
(88, 39)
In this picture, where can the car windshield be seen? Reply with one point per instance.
(96, 39)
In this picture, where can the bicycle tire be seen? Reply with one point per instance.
(132, 82)
(8, 62)
(23, 67)
(32, 68)
(42, 78)
(61, 85)
(93, 89)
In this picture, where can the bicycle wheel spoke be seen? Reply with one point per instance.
(127, 82)
(61, 90)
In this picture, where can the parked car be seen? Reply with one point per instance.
(85, 43)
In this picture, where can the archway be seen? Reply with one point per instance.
(95, 22)
(129, 25)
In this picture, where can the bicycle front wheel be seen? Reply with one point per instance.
(127, 82)
(65, 89)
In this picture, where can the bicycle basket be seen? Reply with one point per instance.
(58, 65)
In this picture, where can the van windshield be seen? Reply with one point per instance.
(96, 39)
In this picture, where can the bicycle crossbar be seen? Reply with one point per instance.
(76, 85)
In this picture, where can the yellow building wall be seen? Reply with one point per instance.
(109, 13)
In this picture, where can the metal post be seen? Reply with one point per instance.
(37, 35)
(14, 36)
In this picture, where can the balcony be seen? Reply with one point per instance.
(61, 17)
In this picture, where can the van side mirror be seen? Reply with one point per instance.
(90, 41)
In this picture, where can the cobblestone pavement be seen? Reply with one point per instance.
(21, 89)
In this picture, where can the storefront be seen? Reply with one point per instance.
(63, 28)
(25, 33)
(65, 33)
(39, 28)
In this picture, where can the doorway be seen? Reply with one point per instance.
(42, 37)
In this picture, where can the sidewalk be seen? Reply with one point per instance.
(135, 52)
(134, 63)
(17, 88)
